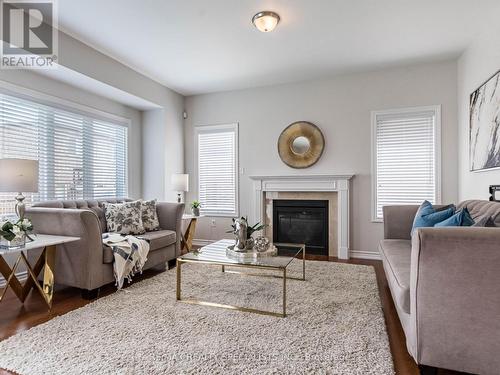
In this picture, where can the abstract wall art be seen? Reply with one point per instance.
(484, 146)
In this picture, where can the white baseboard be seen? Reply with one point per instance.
(21, 276)
(360, 254)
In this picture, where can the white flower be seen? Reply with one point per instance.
(25, 224)
(16, 230)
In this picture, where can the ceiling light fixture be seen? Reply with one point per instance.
(266, 21)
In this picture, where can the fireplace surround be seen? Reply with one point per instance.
(339, 184)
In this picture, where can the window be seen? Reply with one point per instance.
(80, 157)
(217, 157)
(406, 157)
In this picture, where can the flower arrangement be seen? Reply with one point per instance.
(11, 230)
(250, 230)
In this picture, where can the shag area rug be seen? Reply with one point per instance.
(334, 325)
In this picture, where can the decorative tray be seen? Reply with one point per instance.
(251, 254)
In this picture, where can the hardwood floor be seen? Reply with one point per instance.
(16, 317)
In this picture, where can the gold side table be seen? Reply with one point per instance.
(46, 261)
(187, 237)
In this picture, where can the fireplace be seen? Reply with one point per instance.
(302, 221)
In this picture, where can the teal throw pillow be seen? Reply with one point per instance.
(428, 216)
(460, 219)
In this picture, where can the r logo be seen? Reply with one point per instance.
(27, 27)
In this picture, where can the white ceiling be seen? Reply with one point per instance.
(200, 46)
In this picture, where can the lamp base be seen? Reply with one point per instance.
(20, 207)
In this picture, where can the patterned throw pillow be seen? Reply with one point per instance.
(149, 216)
(124, 218)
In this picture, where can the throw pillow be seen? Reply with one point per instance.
(149, 216)
(460, 219)
(484, 221)
(124, 218)
(428, 216)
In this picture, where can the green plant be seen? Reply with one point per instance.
(195, 204)
(250, 229)
(10, 230)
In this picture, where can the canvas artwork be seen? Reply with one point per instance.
(485, 125)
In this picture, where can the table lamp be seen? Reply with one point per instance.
(180, 184)
(19, 175)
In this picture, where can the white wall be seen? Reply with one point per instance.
(167, 124)
(480, 61)
(341, 107)
(163, 150)
(44, 85)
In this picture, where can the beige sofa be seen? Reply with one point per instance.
(87, 264)
(445, 283)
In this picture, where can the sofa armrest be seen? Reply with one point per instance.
(455, 299)
(79, 263)
(398, 221)
(170, 217)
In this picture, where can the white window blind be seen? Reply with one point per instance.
(217, 148)
(405, 159)
(80, 157)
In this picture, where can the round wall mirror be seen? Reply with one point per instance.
(301, 144)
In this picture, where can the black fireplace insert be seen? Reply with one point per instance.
(302, 221)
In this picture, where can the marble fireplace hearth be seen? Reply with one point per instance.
(334, 188)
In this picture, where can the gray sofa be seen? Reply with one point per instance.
(87, 264)
(445, 283)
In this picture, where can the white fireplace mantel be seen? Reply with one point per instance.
(308, 183)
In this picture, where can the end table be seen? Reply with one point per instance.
(46, 261)
(187, 237)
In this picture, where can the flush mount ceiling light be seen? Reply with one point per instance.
(266, 21)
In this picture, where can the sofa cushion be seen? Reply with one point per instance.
(157, 240)
(396, 257)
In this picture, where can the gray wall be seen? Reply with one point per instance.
(480, 61)
(341, 107)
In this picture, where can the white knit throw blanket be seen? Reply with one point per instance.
(130, 254)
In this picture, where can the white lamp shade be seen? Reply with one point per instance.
(180, 182)
(19, 175)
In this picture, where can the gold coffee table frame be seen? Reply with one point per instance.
(281, 269)
(46, 261)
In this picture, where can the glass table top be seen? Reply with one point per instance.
(216, 253)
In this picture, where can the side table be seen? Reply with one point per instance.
(46, 261)
(187, 237)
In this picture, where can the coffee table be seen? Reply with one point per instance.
(215, 254)
(46, 261)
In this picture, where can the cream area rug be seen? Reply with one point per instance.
(334, 325)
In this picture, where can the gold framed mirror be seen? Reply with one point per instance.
(301, 144)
